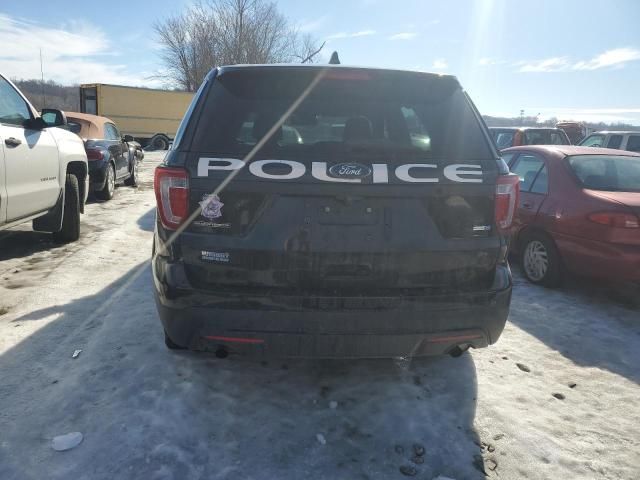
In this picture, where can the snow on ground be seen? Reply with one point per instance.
(146, 412)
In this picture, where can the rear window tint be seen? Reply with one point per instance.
(400, 115)
(607, 172)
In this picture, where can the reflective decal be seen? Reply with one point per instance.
(380, 173)
(211, 206)
(206, 164)
(403, 172)
(348, 172)
(453, 172)
(297, 169)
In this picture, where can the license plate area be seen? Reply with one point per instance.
(359, 212)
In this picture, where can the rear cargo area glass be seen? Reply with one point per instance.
(417, 115)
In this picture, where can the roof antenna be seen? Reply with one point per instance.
(44, 98)
(334, 59)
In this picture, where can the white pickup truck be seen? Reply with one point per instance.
(43, 168)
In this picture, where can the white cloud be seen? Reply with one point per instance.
(489, 61)
(403, 36)
(73, 53)
(615, 57)
(362, 33)
(554, 64)
(440, 64)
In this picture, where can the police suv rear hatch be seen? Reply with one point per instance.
(379, 181)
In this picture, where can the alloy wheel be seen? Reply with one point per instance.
(536, 260)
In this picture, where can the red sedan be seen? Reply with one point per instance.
(579, 210)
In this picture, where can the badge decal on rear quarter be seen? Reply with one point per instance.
(211, 206)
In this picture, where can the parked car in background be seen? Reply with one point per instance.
(505, 137)
(576, 131)
(43, 168)
(579, 210)
(629, 141)
(112, 157)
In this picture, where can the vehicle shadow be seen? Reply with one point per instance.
(18, 243)
(147, 221)
(146, 411)
(588, 322)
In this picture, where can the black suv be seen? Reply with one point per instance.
(330, 211)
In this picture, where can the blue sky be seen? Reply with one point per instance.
(571, 59)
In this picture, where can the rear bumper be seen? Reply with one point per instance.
(97, 174)
(328, 327)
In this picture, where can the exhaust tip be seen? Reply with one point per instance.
(458, 350)
(222, 352)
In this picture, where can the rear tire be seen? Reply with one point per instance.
(70, 231)
(171, 345)
(132, 180)
(540, 260)
(109, 184)
(159, 142)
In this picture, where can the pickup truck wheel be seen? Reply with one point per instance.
(132, 181)
(541, 260)
(70, 231)
(109, 185)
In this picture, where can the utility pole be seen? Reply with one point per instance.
(44, 99)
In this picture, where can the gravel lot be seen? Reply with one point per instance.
(556, 397)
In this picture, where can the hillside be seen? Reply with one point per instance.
(50, 94)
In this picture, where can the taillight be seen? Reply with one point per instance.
(507, 193)
(172, 195)
(615, 219)
(94, 154)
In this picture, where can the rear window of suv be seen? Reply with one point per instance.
(607, 173)
(402, 115)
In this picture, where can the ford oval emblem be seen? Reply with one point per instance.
(349, 170)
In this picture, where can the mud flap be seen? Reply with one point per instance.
(51, 222)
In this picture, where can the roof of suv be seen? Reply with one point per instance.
(567, 150)
(316, 66)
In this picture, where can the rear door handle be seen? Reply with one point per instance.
(527, 205)
(12, 142)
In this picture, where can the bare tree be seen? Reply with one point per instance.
(227, 32)
(308, 49)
